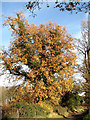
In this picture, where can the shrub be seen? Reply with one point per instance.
(87, 117)
(46, 105)
(71, 103)
(9, 111)
(78, 100)
(71, 100)
(31, 110)
(26, 110)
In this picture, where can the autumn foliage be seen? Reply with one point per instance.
(47, 51)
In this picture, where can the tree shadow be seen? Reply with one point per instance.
(81, 115)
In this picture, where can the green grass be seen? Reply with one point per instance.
(42, 110)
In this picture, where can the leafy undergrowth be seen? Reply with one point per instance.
(9, 112)
(22, 110)
(87, 117)
(40, 110)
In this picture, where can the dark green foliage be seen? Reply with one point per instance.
(71, 100)
(87, 117)
(78, 100)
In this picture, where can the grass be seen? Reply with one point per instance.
(54, 115)
(42, 110)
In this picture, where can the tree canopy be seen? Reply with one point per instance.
(47, 51)
(71, 6)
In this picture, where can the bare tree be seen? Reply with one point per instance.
(84, 50)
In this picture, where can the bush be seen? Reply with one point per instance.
(9, 111)
(71, 103)
(46, 105)
(26, 110)
(87, 117)
(71, 100)
(78, 100)
(32, 110)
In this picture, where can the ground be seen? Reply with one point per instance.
(71, 115)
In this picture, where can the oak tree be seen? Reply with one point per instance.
(48, 53)
(70, 6)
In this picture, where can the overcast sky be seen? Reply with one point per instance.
(71, 21)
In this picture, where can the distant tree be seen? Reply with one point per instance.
(75, 5)
(47, 51)
(84, 50)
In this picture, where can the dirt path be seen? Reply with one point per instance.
(78, 116)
